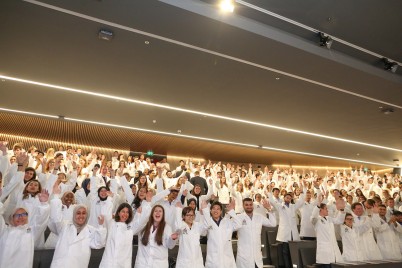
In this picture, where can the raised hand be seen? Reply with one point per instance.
(3, 147)
(44, 196)
(22, 159)
(56, 189)
(266, 204)
(74, 164)
(174, 236)
(231, 205)
(179, 205)
(340, 204)
(375, 209)
(204, 204)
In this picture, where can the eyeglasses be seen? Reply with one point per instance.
(20, 215)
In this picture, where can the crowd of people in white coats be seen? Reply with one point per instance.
(89, 202)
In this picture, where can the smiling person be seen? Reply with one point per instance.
(76, 238)
(154, 241)
(17, 239)
(190, 254)
(119, 246)
(219, 246)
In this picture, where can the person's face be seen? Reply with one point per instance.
(28, 175)
(391, 203)
(61, 177)
(103, 193)
(33, 187)
(124, 214)
(192, 205)
(17, 151)
(60, 157)
(276, 193)
(173, 195)
(81, 216)
(143, 179)
(68, 199)
(385, 194)
(358, 211)
(399, 218)
(248, 207)
(104, 170)
(207, 173)
(142, 193)
(134, 189)
(197, 189)
(308, 196)
(158, 214)
(152, 174)
(216, 212)
(367, 205)
(287, 199)
(349, 199)
(382, 211)
(324, 211)
(349, 221)
(169, 174)
(189, 217)
(122, 164)
(82, 162)
(12, 160)
(20, 217)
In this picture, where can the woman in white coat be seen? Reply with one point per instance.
(219, 245)
(73, 249)
(351, 250)
(190, 254)
(119, 244)
(154, 241)
(17, 239)
(327, 247)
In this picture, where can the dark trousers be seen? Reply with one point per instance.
(308, 238)
(286, 255)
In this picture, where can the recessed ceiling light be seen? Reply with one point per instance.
(154, 121)
(147, 42)
(179, 131)
(226, 5)
(357, 154)
(3, 80)
(277, 78)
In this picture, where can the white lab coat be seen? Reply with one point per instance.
(287, 230)
(219, 247)
(366, 237)
(387, 241)
(67, 214)
(327, 246)
(154, 255)
(74, 250)
(17, 242)
(249, 242)
(398, 233)
(119, 245)
(352, 251)
(99, 207)
(306, 227)
(190, 254)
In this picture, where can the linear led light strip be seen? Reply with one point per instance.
(58, 142)
(200, 138)
(270, 13)
(193, 112)
(119, 26)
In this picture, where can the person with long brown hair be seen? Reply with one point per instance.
(155, 240)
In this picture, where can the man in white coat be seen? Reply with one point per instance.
(249, 244)
(327, 247)
(287, 230)
(366, 238)
(307, 231)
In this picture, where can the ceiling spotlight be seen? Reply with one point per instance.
(325, 40)
(105, 34)
(387, 110)
(227, 5)
(389, 65)
(154, 121)
(179, 131)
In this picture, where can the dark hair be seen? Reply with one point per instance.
(25, 193)
(84, 185)
(273, 190)
(34, 172)
(217, 203)
(371, 202)
(186, 210)
(99, 189)
(191, 200)
(322, 206)
(247, 199)
(159, 231)
(120, 208)
(137, 201)
(381, 205)
(354, 205)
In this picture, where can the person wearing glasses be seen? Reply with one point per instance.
(351, 250)
(17, 238)
(190, 254)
